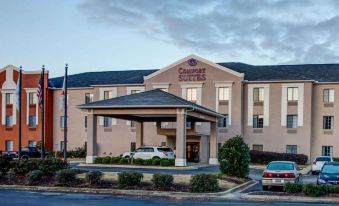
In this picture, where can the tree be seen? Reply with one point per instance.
(234, 157)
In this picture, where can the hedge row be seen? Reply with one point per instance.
(122, 160)
(261, 157)
(312, 190)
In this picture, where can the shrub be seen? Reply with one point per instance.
(293, 187)
(78, 152)
(234, 157)
(5, 165)
(138, 161)
(204, 183)
(34, 176)
(336, 159)
(98, 160)
(11, 176)
(148, 162)
(163, 181)
(334, 189)
(66, 176)
(126, 179)
(106, 160)
(166, 162)
(315, 190)
(93, 177)
(156, 161)
(23, 167)
(124, 160)
(261, 157)
(51, 165)
(115, 160)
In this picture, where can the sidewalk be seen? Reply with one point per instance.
(190, 167)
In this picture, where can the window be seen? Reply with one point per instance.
(62, 146)
(224, 93)
(32, 98)
(148, 149)
(292, 93)
(327, 151)
(163, 144)
(9, 145)
(9, 98)
(188, 125)
(292, 121)
(133, 146)
(31, 143)
(258, 121)
(31, 121)
(258, 147)
(291, 149)
(88, 98)
(328, 95)
(132, 123)
(108, 94)
(328, 122)
(223, 122)
(62, 122)
(135, 91)
(258, 94)
(107, 122)
(85, 121)
(9, 121)
(192, 94)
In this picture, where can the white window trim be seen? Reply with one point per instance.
(300, 103)
(250, 103)
(128, 92)
(198, 85)
(114, 91)
(28, 91)
(3, 107)
(163, 86)
(217, 86)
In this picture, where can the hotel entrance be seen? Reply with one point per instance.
(192, 151)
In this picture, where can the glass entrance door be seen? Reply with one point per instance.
(192, 151)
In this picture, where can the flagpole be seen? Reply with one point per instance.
(65, 115)
(43, 113)
(19, 106)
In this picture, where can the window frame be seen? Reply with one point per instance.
(109, 94)
(294, 121)
(9, 98)
(325, 149)
(107, 122)
(32, 98)
(223, 93)
(224, 122)
(294, 96)
(191, 94)
(328, 95)
(254, 146)
(9, 121)
(258, 121)
(88, 98)
(291, 149)
(31, 120)
(328, 122)
(258, 94)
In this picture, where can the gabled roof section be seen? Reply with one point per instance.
(89, 79)
(15, 68)
(149, 99)
(218, 66)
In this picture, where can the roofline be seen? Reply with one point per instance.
(70, 88)
(23, 71)
(277, 81)
(107, 85)
(316, 82)
(198, 58)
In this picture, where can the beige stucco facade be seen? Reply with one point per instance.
(309, 136)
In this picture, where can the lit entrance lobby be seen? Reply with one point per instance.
(159, 107)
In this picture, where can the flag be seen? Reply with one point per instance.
(17, 94)
(63, 93)
(39, 94)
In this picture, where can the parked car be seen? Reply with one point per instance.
(26, 153)
(329, 174)
(318, 163)
(278, 173)
(149, 152)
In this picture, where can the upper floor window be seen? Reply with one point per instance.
(224, 93)
(258, 121)
(328, 95)
(9, 145)
(292, 93)
(292, 149)
(191, 94)
(328, 122)
(292, 121)
(223, 122)
(9, 98)
(31, 143)
(32, 98)
(9, 121)
(107, 122)
(258, 94)
(135, 91)
(88, 98)
(108, 94)
(62, 122)
(31, 121)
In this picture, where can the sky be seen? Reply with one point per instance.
(101, 35)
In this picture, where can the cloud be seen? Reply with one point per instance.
(264, 31)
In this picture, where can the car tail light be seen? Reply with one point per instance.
(267, 174)
(289, 175)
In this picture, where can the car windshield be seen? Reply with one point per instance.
(323, 159)
(280, 166)
(165, 149)
(330, 169)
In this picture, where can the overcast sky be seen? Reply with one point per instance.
(95, 35)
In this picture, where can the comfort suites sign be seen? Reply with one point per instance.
(192, 73)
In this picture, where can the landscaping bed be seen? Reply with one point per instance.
(119, 160)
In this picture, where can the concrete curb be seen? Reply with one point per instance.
(140, 166)
(157, 194)
(275, 198)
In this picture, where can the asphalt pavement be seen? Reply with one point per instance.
(26, 198)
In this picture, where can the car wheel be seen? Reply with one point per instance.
(264, 188)
(314, 172)
(156, 157)
(126, 156)
(25, 157)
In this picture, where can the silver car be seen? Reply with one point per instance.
(278, 173)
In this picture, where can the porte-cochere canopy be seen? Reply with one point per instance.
(152, 106)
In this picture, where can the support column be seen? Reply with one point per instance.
(180, 160)
(92, 150)
(213, 144)
(139, 134)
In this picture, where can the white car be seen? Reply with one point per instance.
(150, 152)
(319, 162)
